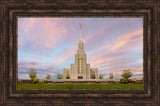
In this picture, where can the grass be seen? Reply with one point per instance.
(79, 86)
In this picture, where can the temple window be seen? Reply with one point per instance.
(80, 61)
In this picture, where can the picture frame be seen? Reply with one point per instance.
(11, 9)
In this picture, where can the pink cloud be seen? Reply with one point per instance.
(101, 60)
(42, 32)
(24, 66)
(109, 28)
(66, 55)
(21, 42)
(122, 40)
(34, 63)
(121, 45)
(113, 62)
(28, 62)
(28, 24)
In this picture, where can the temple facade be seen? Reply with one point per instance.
(80, 69)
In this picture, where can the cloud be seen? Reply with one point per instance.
(21, 63)
(23, 76)
(109, 28)
(137, 72)
(25, 25)
(69, 53)
(21, 42)
(45, 33)
(107, 46)
(24, 68)
(39, 76)
(34, 63)
(121, 41)
(116, 51)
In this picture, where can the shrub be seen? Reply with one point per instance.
(123, 81)
(48, 76)
(111, 75)
(32, 80)
(100, 76)
(35, 80)
(45, 81)
(67, 77)
(126, 74)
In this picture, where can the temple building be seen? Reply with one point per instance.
(80, 69)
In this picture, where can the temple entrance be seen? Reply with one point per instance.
(80, 77)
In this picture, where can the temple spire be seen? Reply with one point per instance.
(80, 31)
(80, 44)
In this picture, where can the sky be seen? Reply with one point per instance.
(49, 44)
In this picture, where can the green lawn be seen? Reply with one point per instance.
(79, 86)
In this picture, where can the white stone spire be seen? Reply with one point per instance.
(80, 44)
(80, 35)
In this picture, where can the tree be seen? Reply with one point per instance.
(111, 76)
(123, 81)
(93, 76)
(32, 73)
(48, 76)
(126, 74)
(100, 76)
(59, 76)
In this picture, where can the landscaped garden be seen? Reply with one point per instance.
(124, 83)
(42, 85)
